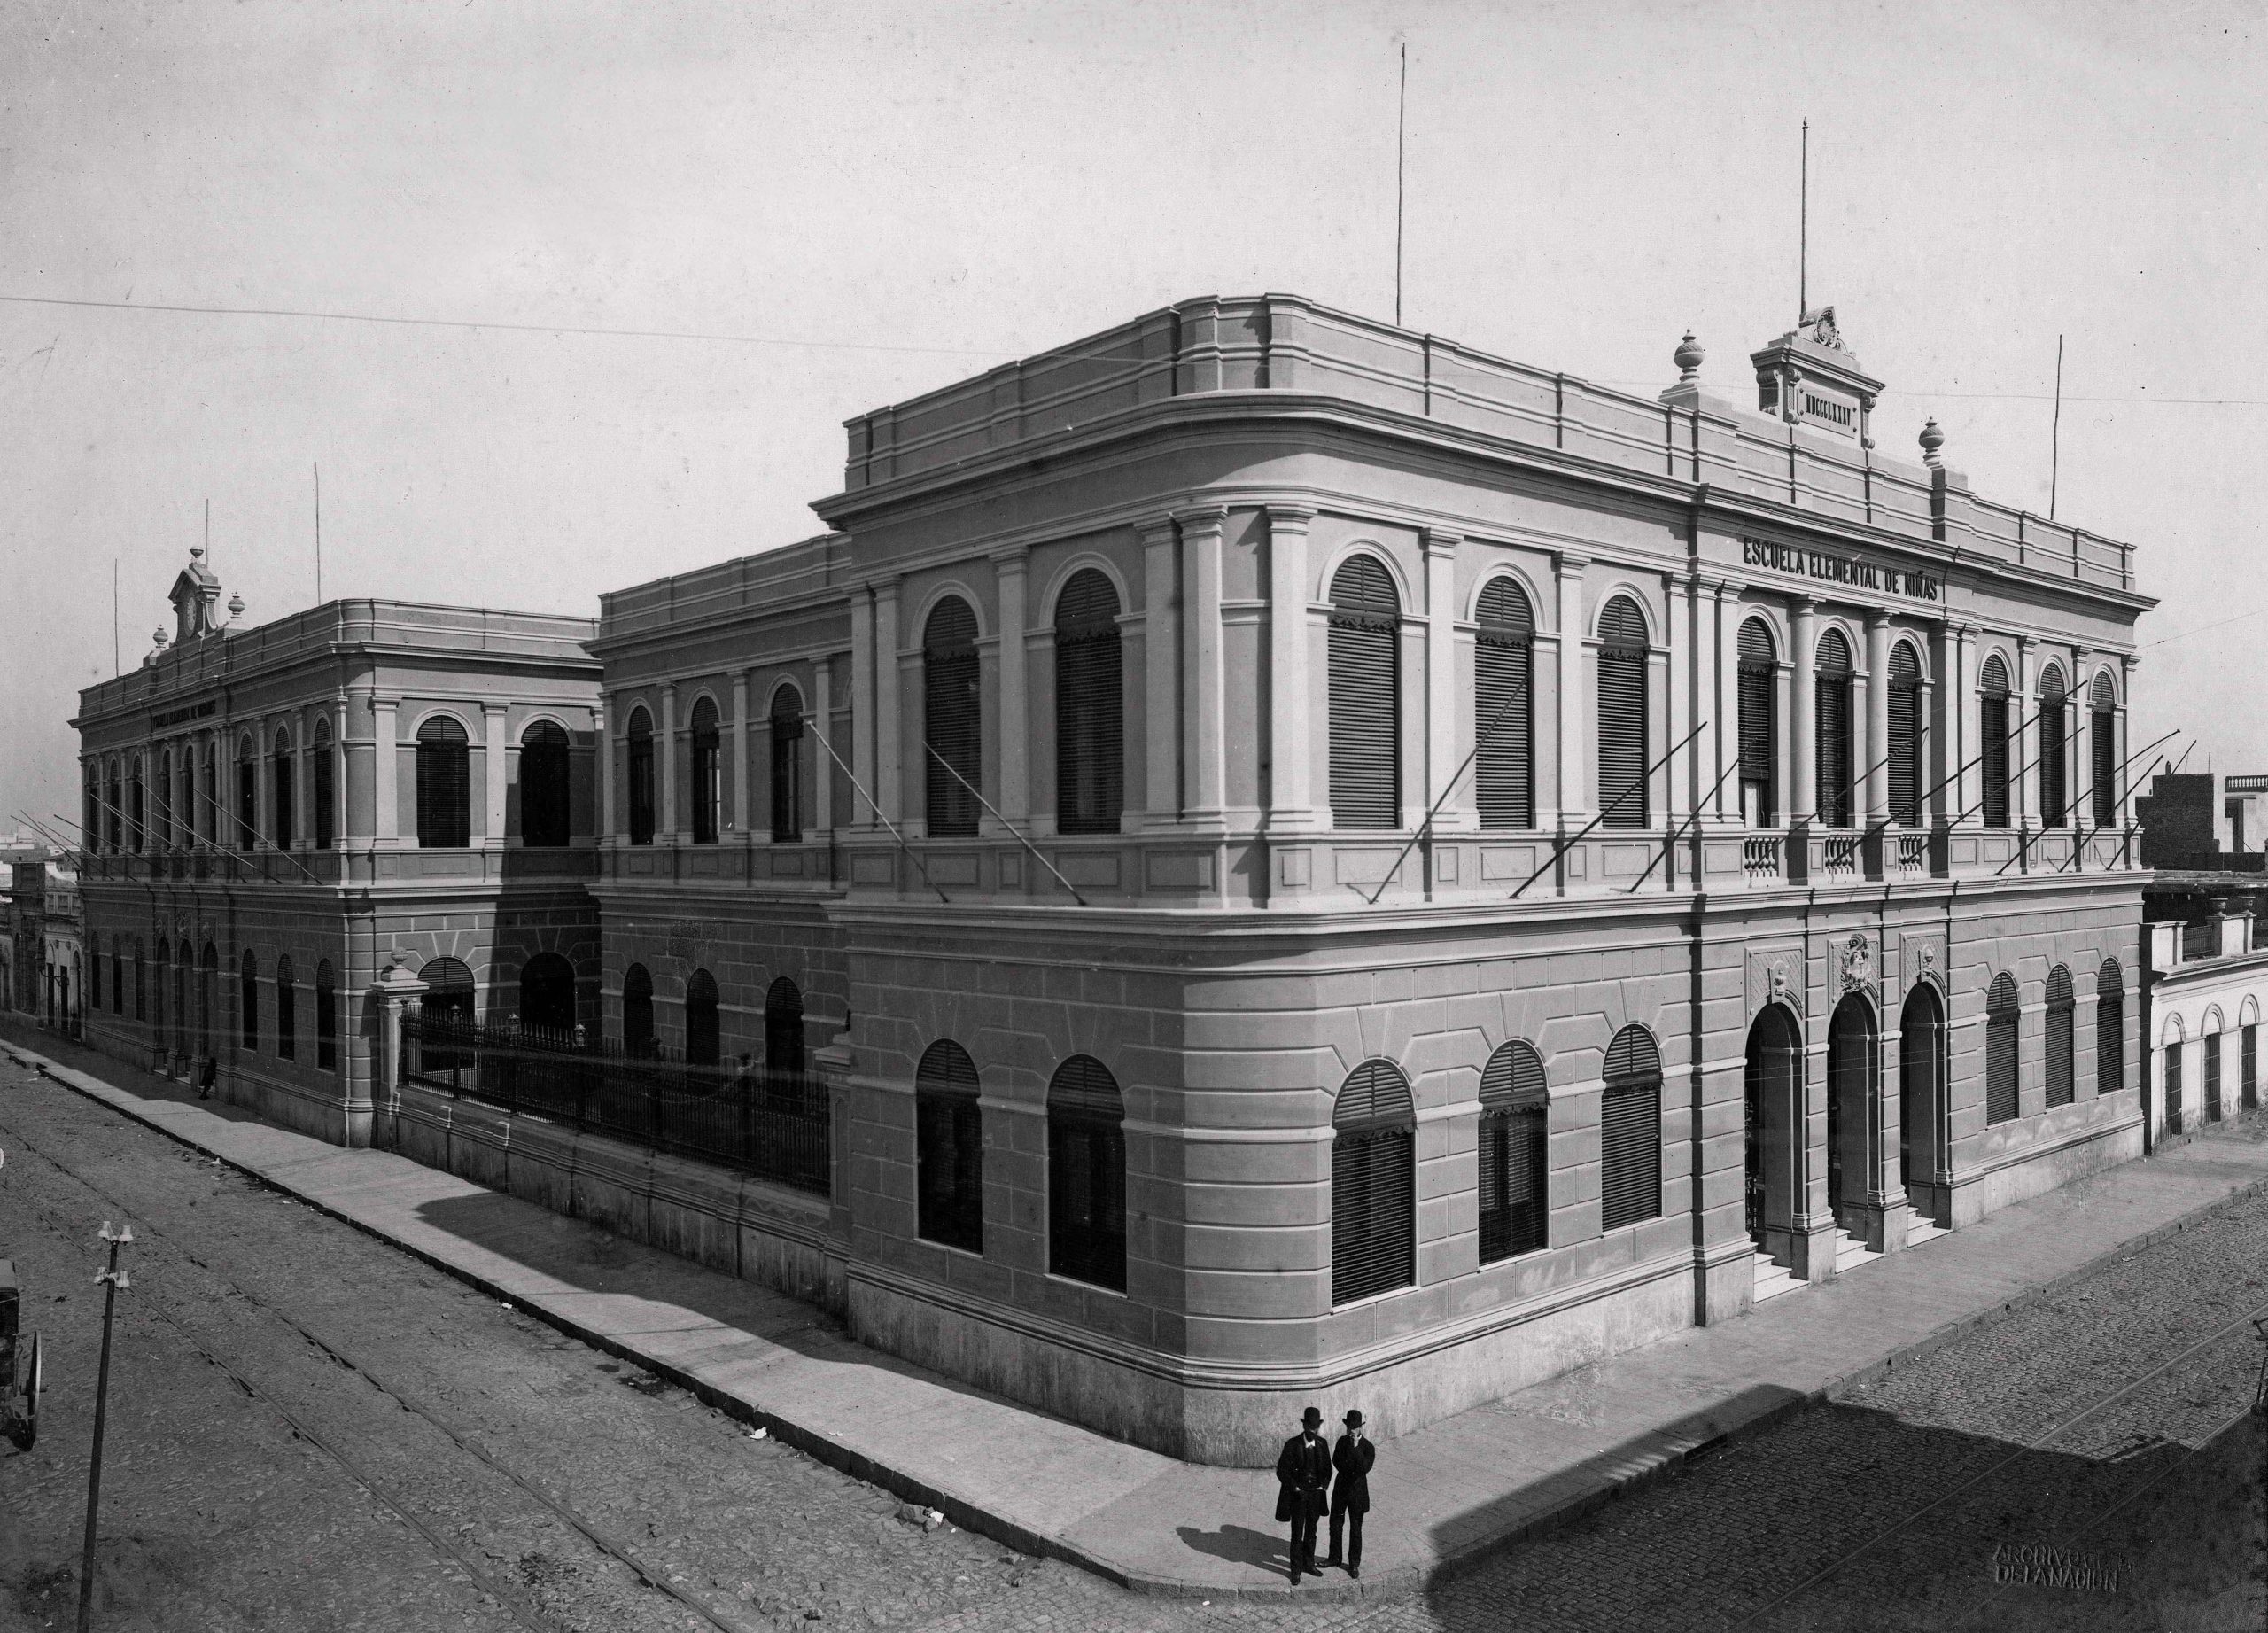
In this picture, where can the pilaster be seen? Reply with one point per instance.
(1803, 706)
(1201, 576)
(1445, 723)
(1877, 750)
(823, 723)
(738, 806)
(890, 704)
(1570, 792)
(1291, 740)
(1162, 673)
(385, 771)
(866, 710)
(669, 765)
(1010, 574)
(493, 719)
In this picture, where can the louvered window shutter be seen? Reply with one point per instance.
(2174, 1085)
(2110, 1031)
(1090, 715)
(1759, 738)
(1086, 1174)
(2105, 745)
(1373, 1185)
(1365, 697)
(1630, 1131)
(949, 1138)
(2053, 801)
(1831, 758)
(2000, 1052)
(1503, 716)
(1992, 720)
(2248, 1068)
(1514, 1211)
(1905, 737)
(2062, 1066)
(787, 765)
(1622, 758)
(2213, 1077)
(952, 718)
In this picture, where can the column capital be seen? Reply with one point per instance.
(1011, 558)
(1289, 516)
(1877, 619)
(1570, 562)
(1438, 542)
(1800, 601)
(489, 708)
(2027, 644)
(1209, 518)
(1156, 529)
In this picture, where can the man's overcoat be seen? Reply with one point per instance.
(1353, 1460)
(1303, 1475)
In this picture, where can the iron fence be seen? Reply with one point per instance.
(772, 1123)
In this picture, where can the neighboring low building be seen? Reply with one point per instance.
(63, 973)
(278, 814)
(2205, 988)
(2204, 820)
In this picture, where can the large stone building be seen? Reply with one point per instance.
(1313, 864)
(276, 815)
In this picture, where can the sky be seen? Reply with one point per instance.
(809, 211)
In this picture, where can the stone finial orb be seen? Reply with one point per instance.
(197, 552)
(1931, 440)
(158, 634)
(236, 606)
(1689, 357)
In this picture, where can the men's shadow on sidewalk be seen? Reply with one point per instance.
(1240, 1544)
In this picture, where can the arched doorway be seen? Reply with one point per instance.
(547, 993)
(1851, 1062)
(1921, 1097)
(1775, 1091)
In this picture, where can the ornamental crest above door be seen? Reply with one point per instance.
(1855, 960)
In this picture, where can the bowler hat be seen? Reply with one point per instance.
(1311, 1417)
(1354, 1419)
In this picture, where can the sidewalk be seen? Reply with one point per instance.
(1507, 1469)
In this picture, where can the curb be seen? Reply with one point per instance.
(1400, 1584)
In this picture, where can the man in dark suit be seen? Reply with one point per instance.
(1350, 1493)
(1303, 1475)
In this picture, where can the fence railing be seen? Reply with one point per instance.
(773, 1124)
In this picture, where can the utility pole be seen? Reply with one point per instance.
(1803, 228)
(2055, 431)
(1400, 131)
(112, 1279)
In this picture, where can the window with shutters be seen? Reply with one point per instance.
(2248, 1066)
(287, 1013)
(162, 811)
(450, 998)
(637, 1011)
(787, 765)
(1623, 760)
(280, 777)
(2103, 741)
(783, 1041)
(114, 814)
(707, 787)
(1906, 745)
(949, 1142)
(247, 995)
(547, 997)
(1515, 1215)
(1630, 1130)
(1086, 1174)
(641, 778)
(247, 796)
(117, 977)
(2062, 1068)
(2212, 1045)
(444, 784)
(1089, 712)
(1373, 1184)
(952, 719)
(1993, 744)
(164, 962)
(1831, 735)
(2109, 1028)
(140, 981)
(1365, 696)
(2055, 806)
(544, 783)
(326, 782)
(2000, 1023)
(1759, 728)
(1504, 706)
(2174, 1085)
(326, 1018)
(703, 1033)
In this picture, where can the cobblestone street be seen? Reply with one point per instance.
(311, 1429)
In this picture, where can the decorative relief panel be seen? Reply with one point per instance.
(1777, 972)
(1921, 957)
(1853, 963)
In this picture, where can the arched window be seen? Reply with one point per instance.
(2062, 1068)
(2249, 1062)
(280, 777)
(140, 825)
(141, 983)
(641, 777)
(95, 981)
(1365, 696)
(326, 780)
(545, 818)
(637, 1011)
(1514, 1109)
(1921, 1085)
(953, 717)
(210, 816)
(287, 1013)
(2109, 1028)
(2173, 1107)
(548, 995)
(1630, 1130)
(326, 1018)
(949, 1142)
(703, 1042)
(1993, 729)
(247, 795)
(1504, 706)
(2103, 741)
(783, 1040)
(90, 808)
(1090, 711)
(165, 962)
(2001, 1022)
(162, 812)
(708, 767)
(1760, 725)
(2055, 806)
(1086, 1174)
(1623, 733)
(1373, 1184)
(787, 765)
(247, 995)
(1905, 736)
(1832, 740)
(208, 1001)
(117, 977)
(2212, 1041)
(444, 784)
(451, 989)
(113, 816)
